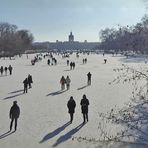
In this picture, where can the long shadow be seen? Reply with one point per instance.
(13, 96)
(16, 91)
(29, 65)
(56, 93)
(82, 87)
(6, 134)
(54, 133)
(68, 70)
(133, 60)
(68, 135)
(3, 75)
(138, 116)
(142, 138)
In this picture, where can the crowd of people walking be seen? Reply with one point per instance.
(72, 65)
(71, 104)
(65, 83)
(84, 60)
(27, 83)
(5, 69)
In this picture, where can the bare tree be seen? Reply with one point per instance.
(127, 38)
(131, 120)
(13, 41)
(24, 40)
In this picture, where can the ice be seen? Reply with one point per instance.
(44, 113)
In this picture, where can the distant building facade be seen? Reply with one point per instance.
(68, 45)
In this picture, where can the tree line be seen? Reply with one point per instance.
(126, 38)
(14, 41)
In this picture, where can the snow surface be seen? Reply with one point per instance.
(44, 113)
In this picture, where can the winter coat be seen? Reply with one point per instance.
(89, 76)
(68, 81)
(10, 68)
(25, 82)
(62, 81)
(6, 68)
(1, 69)
(71, 64)
(14, 111)
(30, 79)
(71, 106)
(48, 62)
(84, 105)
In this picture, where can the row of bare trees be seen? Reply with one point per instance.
(126, 38)
(13, 41)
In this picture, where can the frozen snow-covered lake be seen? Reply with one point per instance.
(44, 113)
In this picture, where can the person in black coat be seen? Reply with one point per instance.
(2, 70)
(29, 80)
(10, 69)
(14, 114)
(89, 78)
(71, 107)
(67, 62)
(48, 61)
(71, 65)
(25, 85)
(84, 107)
(5, 70)
(85, 60)
(105, 60)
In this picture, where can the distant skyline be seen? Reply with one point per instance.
(51, 20)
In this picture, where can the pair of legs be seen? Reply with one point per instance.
(71, 117)
(85, 117)
(29, 85)
(10, 72)
(62, 86)
(11, 124)
(25, 89)
(68, 86)
(89, 82)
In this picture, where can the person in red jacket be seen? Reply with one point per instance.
(63, 82)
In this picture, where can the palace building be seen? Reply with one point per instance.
(71, 44)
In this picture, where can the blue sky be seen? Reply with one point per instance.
(51, 20)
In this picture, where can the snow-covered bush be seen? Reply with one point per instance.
(131, 121)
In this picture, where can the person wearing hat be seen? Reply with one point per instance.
(14, 114)
(71, 107)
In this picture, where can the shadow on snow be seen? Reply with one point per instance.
(3, 75)
(54, 133)
(133, 60)
(68, 135)
(68, 70)
(56, 93)
(21, 90)
(82, 87)
(6, 134)
(13, 96)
